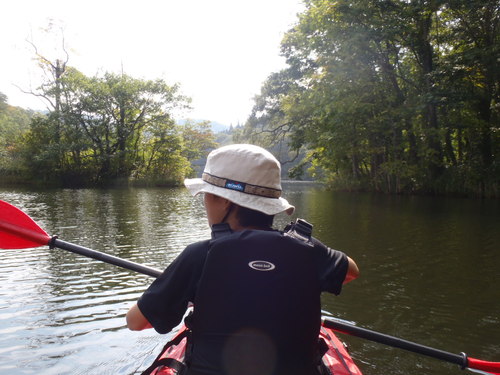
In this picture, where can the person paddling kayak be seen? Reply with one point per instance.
(256, 290)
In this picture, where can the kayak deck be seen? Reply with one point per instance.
(336, 359)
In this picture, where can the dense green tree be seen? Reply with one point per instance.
(99, 129)
(390, 95)
(14, 121)
(41, 154)
(111, 127)
(197, 138)
(471, 76)
(3, 101)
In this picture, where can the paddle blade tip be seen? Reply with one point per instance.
(18, 230)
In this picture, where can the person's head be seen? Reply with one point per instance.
(244, 182)
(220, 210)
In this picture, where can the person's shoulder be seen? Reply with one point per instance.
(197, 247)
(193, 255)
(326, 253)
(319, 245)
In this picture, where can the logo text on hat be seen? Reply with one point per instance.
(234, 185)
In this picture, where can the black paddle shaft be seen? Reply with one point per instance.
(343, 327)
(104, 257)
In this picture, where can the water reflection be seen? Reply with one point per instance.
(429, 274)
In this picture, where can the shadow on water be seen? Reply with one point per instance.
(429, 273)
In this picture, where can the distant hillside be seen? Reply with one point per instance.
(217, 127)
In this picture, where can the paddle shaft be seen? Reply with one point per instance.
(55, 242)
(344, 327)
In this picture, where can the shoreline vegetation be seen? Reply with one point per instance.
(17, 182)
(393, 97)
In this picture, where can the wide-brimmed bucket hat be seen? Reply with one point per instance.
(247, 175)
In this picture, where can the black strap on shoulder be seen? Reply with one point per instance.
(300, 230)
(220, 230)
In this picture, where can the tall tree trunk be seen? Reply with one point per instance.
(425, 55)
(122, 142)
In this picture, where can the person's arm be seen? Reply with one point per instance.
(352, 271)
(136, 321)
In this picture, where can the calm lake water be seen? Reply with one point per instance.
(430, 273)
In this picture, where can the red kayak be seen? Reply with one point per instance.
(336, 360)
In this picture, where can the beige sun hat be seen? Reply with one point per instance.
(247, 175)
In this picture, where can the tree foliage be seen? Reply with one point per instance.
(391, 95)
(105, 128)
(14, 121)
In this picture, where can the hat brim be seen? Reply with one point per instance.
(269, 206)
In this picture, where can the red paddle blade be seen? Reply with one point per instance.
(489, 367)
(18, 230)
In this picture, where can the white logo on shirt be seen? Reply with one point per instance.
(261, 265)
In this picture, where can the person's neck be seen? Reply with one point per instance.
(239, 228)
(235, 225)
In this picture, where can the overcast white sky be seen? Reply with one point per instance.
(219, 51)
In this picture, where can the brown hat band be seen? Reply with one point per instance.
(241, 186)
